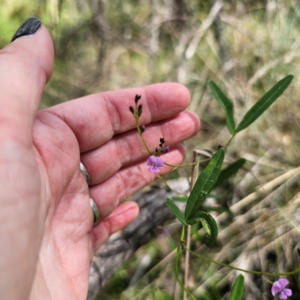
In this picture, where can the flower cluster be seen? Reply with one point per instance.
(139, 108)
(137, 111)
(154, 161)
(162, 148)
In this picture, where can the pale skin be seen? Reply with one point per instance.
(47, 234)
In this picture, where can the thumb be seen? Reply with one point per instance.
(25, 67)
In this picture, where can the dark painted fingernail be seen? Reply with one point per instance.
(30, 26)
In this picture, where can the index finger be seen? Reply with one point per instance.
(95, 119)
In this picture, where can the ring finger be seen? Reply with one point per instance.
(128, 180)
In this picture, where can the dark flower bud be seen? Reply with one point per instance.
(166, 149)
(156, 150)
(137, 98)
(162, 140)
(140, 110)
(143, 128)
(131, 109)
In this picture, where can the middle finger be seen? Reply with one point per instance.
(127, 148)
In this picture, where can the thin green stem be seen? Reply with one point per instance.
(188, 164)
(195, 171)
(141, 134)
(185, 165)
(266, 279)
(166, 184)
(228, 143)
(242, 270)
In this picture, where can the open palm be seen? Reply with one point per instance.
(44, 197)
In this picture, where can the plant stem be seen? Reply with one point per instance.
(188, 235)
(242, 270)
(228, 143)
(141, 134)
(166, 184)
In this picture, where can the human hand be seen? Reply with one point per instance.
(47, 234)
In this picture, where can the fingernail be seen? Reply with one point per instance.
(30, 26)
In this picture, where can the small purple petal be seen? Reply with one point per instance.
(151, 161)
(155, 161)
(285, 294)
(283, 282)
(288, 292)
(276, 288)
(153, 170)
(159, 162)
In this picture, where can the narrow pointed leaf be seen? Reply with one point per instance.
(204, 183)
(176, 211)
(180, 199)
(229, 171)
(226, 104)
(264, 102)
(237, 291)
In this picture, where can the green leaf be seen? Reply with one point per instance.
(226, 104)
(204, 183)
(264, 102)
(229, 171)
(209, 224)
(180, 199)
(176, 211)
(237, 289)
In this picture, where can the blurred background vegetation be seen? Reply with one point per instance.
(245, 46)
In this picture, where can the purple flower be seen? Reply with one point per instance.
(279, 287)
(155, 163)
